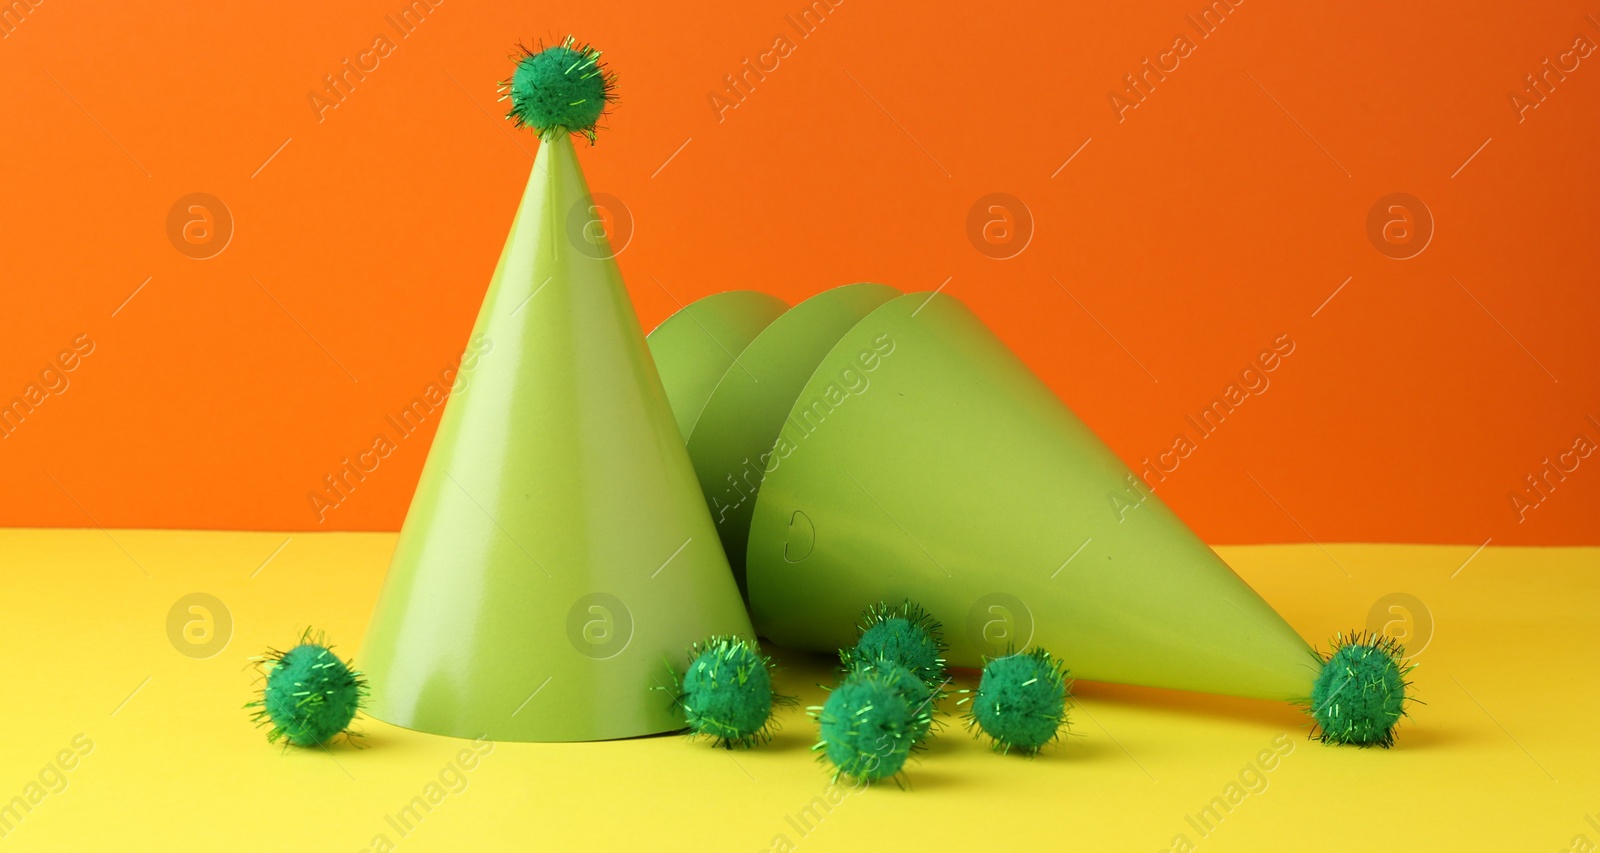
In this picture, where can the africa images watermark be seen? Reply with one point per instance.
(1253, 382)
(53, 381)
(1253, 780)
(1541, 84)
(12, 16)
(852, 381)
(1142, 84)
(810, 817)
(339, 485)
(1583, 842)
(452, 779)
(52, 779)
(754, 71)
(1554, 471)
(338, 85)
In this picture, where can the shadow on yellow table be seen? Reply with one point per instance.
(124, 729)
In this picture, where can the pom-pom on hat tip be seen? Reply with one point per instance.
(563, 88)
(1361, 691)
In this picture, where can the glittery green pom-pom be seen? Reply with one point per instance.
(1360, 694)
(310, 696)
(904, 634)
(1021, 703)
(560, 89)
(867, 728)
(726, 694)
(922, 699)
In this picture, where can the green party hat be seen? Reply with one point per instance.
(923, 460)
(742, 416)
(558, 546)
(696, 346)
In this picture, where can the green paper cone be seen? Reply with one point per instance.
(741, 418)
(924, 460)
(558, 547)
(695, 346)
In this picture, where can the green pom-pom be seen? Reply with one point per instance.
(1021, 703)
(726, 694)
(1360, 694)
(867, 728)
(904, 634)
(310, 696)
(560, 89)
(918, 695)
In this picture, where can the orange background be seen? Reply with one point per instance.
(1175, 245)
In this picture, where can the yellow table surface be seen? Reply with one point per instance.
(1502, 757)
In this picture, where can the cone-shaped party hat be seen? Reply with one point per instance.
(923, 460)
(741, 419)
(947, 472)
(695, 347)
(558, 547)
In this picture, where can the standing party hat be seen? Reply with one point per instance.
(922, 460)
(558, 546)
